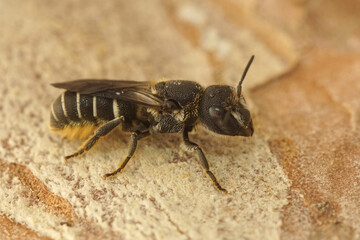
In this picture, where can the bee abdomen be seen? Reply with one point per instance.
(75, 109)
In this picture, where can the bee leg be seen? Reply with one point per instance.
(100, 132)
(204, 162)
(135, 136)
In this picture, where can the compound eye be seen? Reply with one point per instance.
(217, 112)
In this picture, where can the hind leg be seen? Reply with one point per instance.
(100, 132)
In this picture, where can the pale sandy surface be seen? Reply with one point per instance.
(296, 178)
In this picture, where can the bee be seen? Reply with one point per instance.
(143, 108)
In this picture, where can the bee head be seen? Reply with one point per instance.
(223, 110)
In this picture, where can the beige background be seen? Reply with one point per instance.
(296, 178)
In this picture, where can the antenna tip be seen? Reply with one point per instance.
(244, 74)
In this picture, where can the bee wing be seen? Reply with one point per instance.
(90, 86)
(130, 91)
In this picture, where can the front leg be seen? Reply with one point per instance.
(204, 162)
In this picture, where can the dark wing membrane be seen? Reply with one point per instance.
(130, 91)
(89, 86)
(134, 95)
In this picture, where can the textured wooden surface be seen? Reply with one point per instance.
(296, 178)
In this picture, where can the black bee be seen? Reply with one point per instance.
(143, 108)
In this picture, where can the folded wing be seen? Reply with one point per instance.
(126, 90)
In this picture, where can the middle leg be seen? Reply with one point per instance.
(135, 136)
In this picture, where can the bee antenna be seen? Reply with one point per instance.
(244, 75)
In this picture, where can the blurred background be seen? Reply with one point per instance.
(297, 178)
